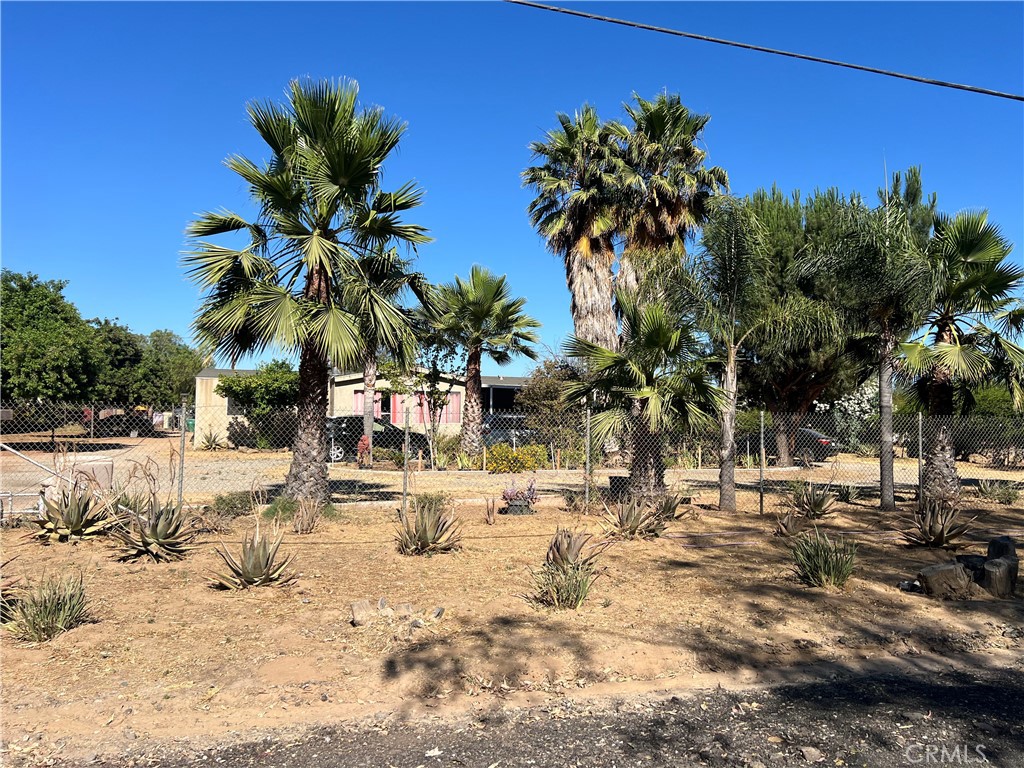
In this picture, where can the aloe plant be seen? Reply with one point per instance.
(74, 516)
(161, 533)
(935, 525)
(639, 518)
(433, 529)
(569, 570)
(257, 564)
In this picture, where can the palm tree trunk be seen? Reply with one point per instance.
(647, 466)
(472, 415)
(588, 275)
(940, 461)
(627, 278)
(369, 395)
(785, 437)
(727, 416)
(307, 477)
(885, 461)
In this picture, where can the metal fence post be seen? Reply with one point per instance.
(760, 466)
(181, 452)
(586, 464)
(920, 455)
(405, 470)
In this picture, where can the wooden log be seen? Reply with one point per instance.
(1003, 546)
(947, 581)
(1000, 576)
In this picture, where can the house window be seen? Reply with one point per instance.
(234, 409)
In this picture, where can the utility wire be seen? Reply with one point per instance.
(762, 49)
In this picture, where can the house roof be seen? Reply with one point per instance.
(503, 381)
(216, 373)
(509, 382)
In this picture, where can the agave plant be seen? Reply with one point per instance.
(789, 525)
(256, 566)
(567, 548)
(639, 518)
(74, 516)
(433, 529)
(935, 525)
(1002, 491)
(814, 501)
(162, 533)
(569, 570)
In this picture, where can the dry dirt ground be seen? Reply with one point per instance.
(169, 658)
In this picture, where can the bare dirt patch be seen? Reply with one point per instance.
(167, 657)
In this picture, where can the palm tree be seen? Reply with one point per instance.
(320, 207)
(655, 382)
(728, 284)
(878, 257)
(667, 190)
(372, 288)
(480, 315)
(969, 328)
(575, 212)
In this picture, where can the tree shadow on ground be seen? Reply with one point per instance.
(864, 717)
(504, 645)
(51, 446)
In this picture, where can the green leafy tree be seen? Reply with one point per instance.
(321, 207)
(168, 369)
(267, 399)
(729, 286)
(576, 184)
(47, 349)
(119, 353)
(970, 330)
(878, 255)
(653, 383)
(480, 315)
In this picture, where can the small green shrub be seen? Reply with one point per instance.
(54, 606)
(465, 461)
(503, 458)
(432, 529)
(386, 454)
(447, 445)
(821, 562)
(1001, 491)
(847, 494)
(868, 450)
(434, 502)
(231, 505)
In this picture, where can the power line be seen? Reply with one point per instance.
(762, 49)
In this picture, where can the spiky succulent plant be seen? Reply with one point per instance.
(569, 570)
(162, 532)
(74, 516)
(432, 529)
(257, 564)
(639, 517)
(935, 525)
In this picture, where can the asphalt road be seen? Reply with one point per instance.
(952, 718)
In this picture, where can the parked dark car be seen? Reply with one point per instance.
(123, 425)
(809, 442)
(506, 428)
(343, 435)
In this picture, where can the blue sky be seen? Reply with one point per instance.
(116, 118)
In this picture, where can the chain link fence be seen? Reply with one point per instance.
(201, 453)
